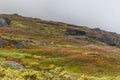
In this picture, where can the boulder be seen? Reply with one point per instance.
(2, 43)
(8, 21)
(20, 45)
(15, 65)
(4, 22)
(11, 65)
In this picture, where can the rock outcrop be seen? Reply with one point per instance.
(2, 43)
(12, 43)
(109, 38)
(4, 22)
(20, 45)
(11, 65)
(71, 31)
(105, 37)
(76, 32)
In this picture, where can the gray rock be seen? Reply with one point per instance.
(20, 45)
(2, 43)
(15, 65)
(107, 40)
(105, 37)
(4, 22)
(12, 65)
(90, 35)
(71, 31)
(8, 21)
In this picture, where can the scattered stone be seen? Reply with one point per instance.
(20, 45)
(12, 65)
(2, 43)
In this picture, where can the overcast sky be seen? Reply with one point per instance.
(104, 14)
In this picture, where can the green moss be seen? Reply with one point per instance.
(15, 55)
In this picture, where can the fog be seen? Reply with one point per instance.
(104, 14)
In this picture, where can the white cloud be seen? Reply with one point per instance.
(92, 13)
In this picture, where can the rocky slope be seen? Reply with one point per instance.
(76, 32)
(44, 45)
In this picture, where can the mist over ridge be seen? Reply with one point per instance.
(92, 13)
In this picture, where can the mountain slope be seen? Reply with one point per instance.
(38, 44)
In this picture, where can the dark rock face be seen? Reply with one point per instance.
(57, 24)
(89, 35)
(72, 25)
(20, 45)
(2, 43)
(107, 40)
(8, 21)
(105, 37)
(4, 22)
(70, 31)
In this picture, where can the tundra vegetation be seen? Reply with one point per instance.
(34, 49)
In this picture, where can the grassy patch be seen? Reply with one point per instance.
(14, 55)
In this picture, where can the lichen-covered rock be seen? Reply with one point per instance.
(107, 40)
(20, 45)
(2, 43)
(11, 65)
(8, 21)
(4, 22)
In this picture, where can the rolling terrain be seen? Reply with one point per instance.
(62, 51)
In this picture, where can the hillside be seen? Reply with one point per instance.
(76, 52)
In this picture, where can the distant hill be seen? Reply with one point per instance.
(29, 27)
(43, 45)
